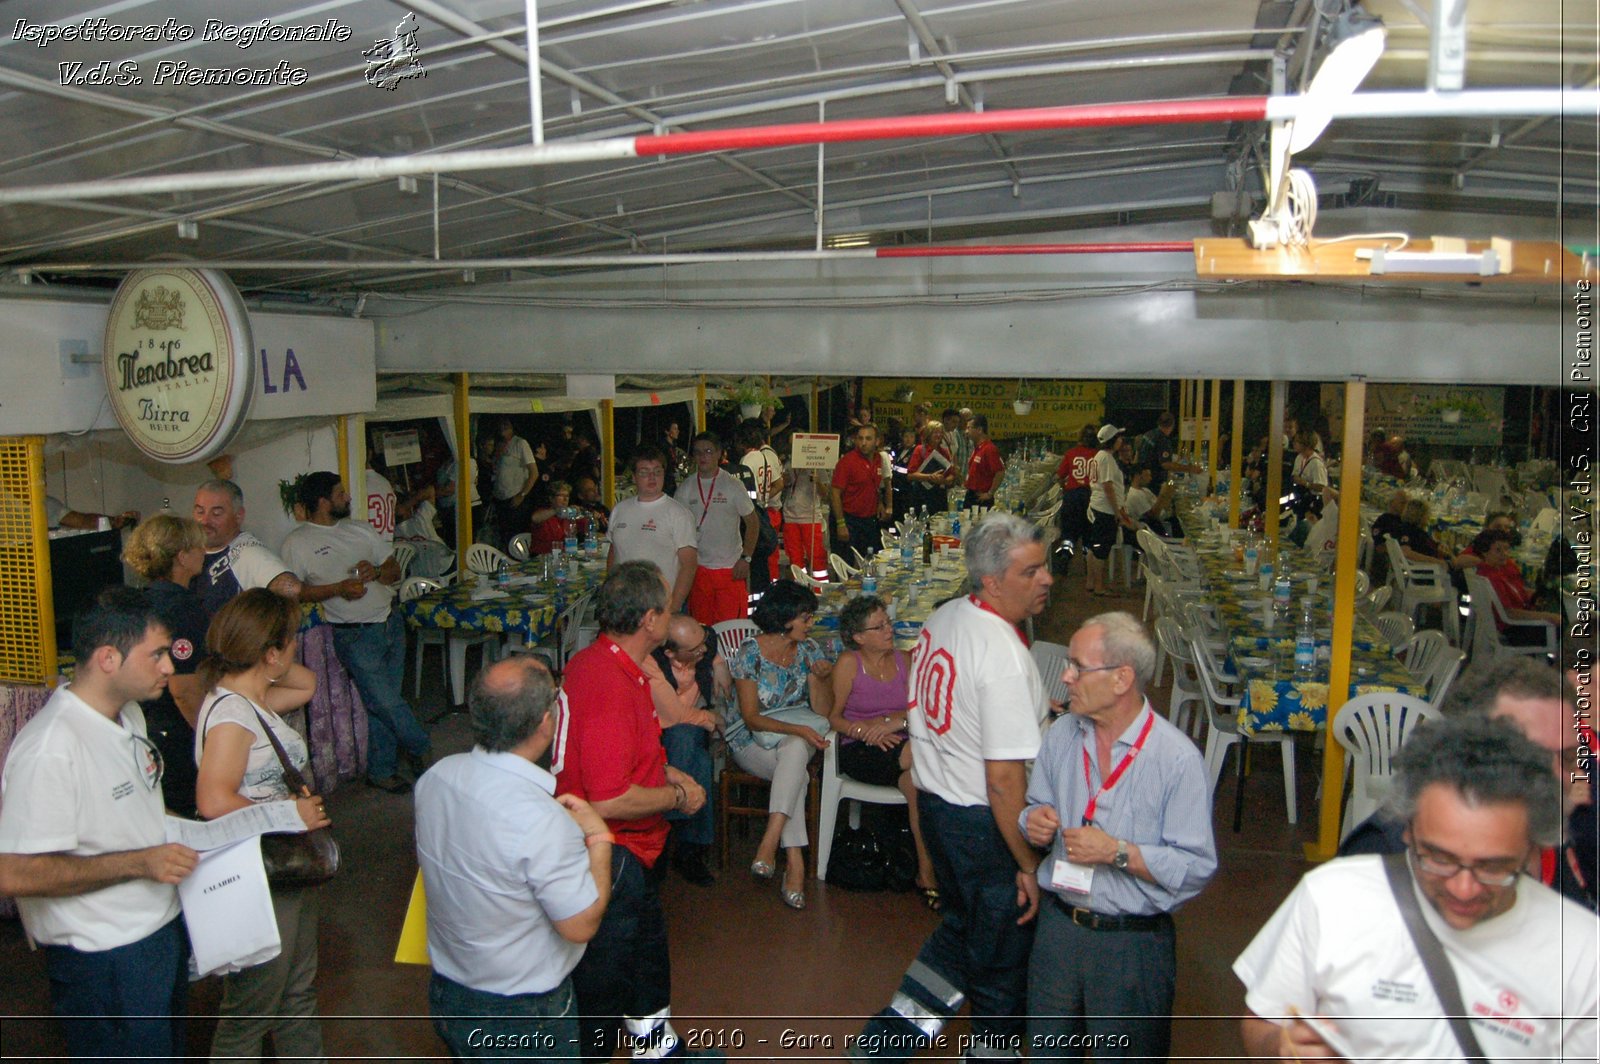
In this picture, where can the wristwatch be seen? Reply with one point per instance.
(1121, 859)
(745, 558)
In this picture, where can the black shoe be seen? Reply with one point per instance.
(689, 861)
(419, 763)
(393, 784)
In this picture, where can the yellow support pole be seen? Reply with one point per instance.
(1344, 612)
(466, 466)
(1236, 478)
(1216, 434)
(1183, 409)
(700, 403)
(608, 452)
(1280, 397)
(342, 435)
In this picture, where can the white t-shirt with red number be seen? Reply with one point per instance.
(975, 697)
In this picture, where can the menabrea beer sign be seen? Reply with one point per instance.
(178, 362)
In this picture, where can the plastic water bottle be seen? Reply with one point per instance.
(502, 575)
(591, 542)
(1305, 640)
(955, 528)
(869, 581)
(1281, 594)
(1251, 557)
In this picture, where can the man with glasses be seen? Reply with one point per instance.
(654, 527)
(726, 528)
(1119, 798)
(976, 703)
(1336, 970)
(83, 848)
(688, 679)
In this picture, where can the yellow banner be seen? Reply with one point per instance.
(1060, 408)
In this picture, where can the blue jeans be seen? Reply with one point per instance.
(126, 1002)
(625, 973)
(479, 1024)
(375, 657)
(978, 953)
(689, 750)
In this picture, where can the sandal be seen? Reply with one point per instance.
(762, 869)
(930, 898)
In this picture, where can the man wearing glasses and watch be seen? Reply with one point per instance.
(1339, 970)
(1119, 799)
(82, 843)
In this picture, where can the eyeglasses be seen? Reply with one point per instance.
(1074, 665)
(691, 652)
(147, 761)
(877, 627)
(1496, 873)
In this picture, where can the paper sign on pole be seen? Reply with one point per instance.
(814, 450)
(401, 448)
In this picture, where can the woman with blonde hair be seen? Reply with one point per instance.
(168, 551)
(252, 678)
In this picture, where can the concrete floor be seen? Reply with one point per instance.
(746, 969)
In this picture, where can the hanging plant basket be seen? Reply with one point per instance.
(749, 410)
(1023, 407)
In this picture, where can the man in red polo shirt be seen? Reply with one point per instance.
(608, 752)
(857, 495)
(985, 465)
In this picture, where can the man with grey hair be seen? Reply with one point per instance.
(608, 752)
(1538, 701)
(976, 702)
(1337, 970)
(517, 880)
(1119, 798)
(235, 560)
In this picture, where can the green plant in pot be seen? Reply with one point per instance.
(751, 395)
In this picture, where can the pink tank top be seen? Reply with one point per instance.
(871, 698)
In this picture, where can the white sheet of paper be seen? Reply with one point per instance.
(1069, 875)
(228, 907)
(258, 818)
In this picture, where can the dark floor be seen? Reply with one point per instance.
(748, 970)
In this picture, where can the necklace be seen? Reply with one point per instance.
(872, 667)
(778, 649)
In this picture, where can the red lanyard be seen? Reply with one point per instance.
(705, 498)
(1116, 773)
(982, 605)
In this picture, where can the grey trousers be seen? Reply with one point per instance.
(278, 997)
(785, 766)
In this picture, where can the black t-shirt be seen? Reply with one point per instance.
(1155, 449)
(185, 618)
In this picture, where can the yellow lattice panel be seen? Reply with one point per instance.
(27, 621)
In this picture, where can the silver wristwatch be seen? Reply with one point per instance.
(1121, 859)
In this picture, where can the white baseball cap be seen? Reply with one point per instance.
(1108, 432)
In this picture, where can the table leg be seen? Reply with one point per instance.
(1238, 789)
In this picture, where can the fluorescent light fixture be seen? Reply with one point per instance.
(1482, 264)
(850, 240)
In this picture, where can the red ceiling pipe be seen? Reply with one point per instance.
(1109, 248)
(1083, 116)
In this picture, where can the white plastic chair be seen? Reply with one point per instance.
(803, 578)
(482, 558)
(841, 569)
(732, 634)
(1225, 730)
(520, 545)
(1423, 585)
(1396, 628)
(1051, 659)
(1185, 691)
(1371, 728)
(452, 643)
(404, 553)
(836, 788)
(1486, 610)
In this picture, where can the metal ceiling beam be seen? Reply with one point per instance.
(935, 51)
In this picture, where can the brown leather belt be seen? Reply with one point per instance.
(1094, 921)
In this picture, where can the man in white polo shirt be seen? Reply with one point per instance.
(726, 526)
(517, 880)
(82, 847)
(654, 527)
(352, 572)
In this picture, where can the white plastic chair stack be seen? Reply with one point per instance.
(1225, 730)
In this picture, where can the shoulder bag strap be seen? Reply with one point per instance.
(291, 776)
(1440, 974)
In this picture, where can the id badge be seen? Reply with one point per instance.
(1068, 875)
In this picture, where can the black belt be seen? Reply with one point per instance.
(356, 624)
(1103, 922)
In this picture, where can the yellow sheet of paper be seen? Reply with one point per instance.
(413, 946)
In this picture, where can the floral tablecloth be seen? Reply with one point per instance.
(526, 608)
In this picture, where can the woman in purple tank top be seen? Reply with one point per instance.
(871, 689)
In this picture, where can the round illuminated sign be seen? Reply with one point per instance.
(179, 362)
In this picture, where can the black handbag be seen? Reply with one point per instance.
(295, 859)
(856, 862)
